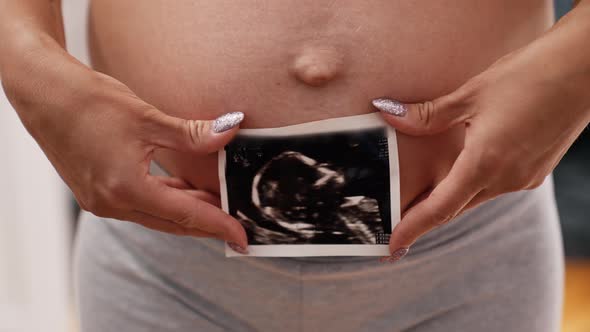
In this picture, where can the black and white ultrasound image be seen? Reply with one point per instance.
(330, 188)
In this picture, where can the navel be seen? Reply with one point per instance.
(316, 65)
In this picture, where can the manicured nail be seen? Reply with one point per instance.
(227, 121)
(390, 106)
(396, 256)
(237, 248)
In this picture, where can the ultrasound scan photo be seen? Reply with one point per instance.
(311, 189)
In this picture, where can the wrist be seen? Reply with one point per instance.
(39, 77)
(560, 60)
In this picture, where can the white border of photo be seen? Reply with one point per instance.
(357, 122)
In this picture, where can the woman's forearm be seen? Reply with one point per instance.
(28, 16)
(520, 115)
(35, 68)
(84, 120)
(562, 55)
(29, 30)
(570, 36)
(25, 24)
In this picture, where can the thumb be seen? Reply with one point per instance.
(200, 136)
(444, 203)
(425, 118)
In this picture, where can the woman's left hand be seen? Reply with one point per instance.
(520, 117)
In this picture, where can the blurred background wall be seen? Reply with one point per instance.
(34, 234)
(36, 219)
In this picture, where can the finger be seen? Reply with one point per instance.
(483, 196)
(197, 136)
(173, 182)
(417, 201)
(206, 197)
(179, 183)
(159, 200)
(444, 203)
(426, 118)
(162, 225)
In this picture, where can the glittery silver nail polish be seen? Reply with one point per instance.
(398, 254)
(237, 248)
(390, 106)
(383, 259)
(227, 121)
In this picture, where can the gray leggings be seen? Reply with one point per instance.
(496, 268)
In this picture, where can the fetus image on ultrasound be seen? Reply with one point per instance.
(311, 189)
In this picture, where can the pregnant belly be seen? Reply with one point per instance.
(287, 62)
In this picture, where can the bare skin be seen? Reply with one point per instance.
(278, 62)
(520, 116)
(199, 61)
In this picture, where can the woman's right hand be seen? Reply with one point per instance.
(100, 137)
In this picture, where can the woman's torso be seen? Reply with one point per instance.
(198, 60)
(286, 62)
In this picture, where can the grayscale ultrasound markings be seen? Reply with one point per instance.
(320, 189)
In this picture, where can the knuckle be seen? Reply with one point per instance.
(426, 112)
(200, 129)
(195, 131)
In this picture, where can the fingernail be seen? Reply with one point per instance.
(397, 255)
(237, 248)
(390, 106)
(227, 121)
